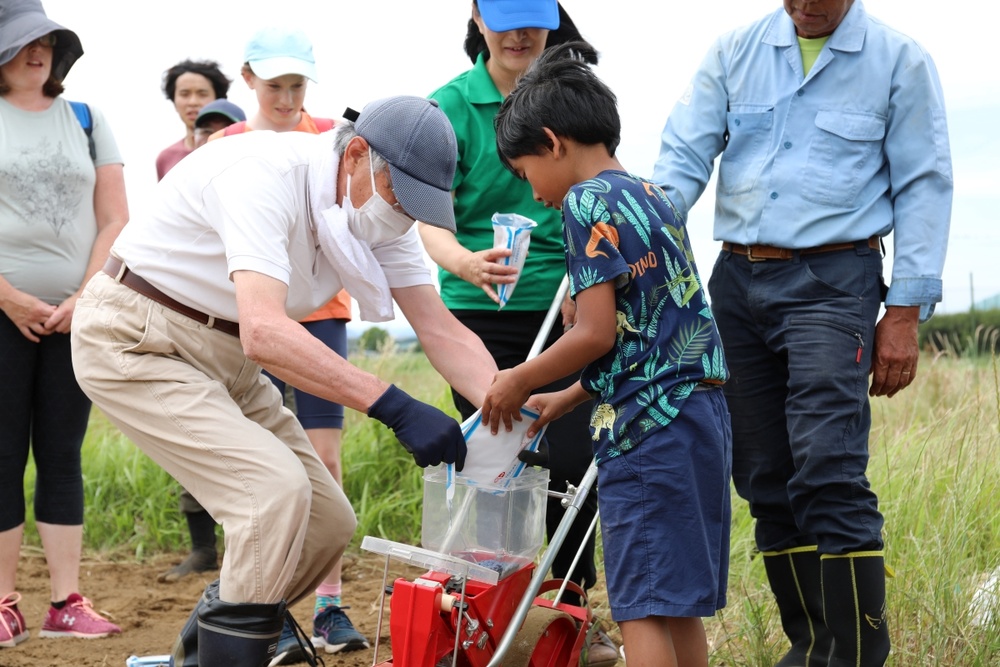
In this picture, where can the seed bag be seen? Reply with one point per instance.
(512, 231)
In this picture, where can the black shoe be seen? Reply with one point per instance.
(201, 559)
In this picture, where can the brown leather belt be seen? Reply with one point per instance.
(759, 253)
(114, 265)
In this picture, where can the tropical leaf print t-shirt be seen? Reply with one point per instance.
(622, 229)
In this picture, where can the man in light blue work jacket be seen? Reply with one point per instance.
(832, 132)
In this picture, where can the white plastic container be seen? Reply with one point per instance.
(502, 528)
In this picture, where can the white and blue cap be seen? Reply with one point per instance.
(274, 52)
(504, 15)
(417, 140)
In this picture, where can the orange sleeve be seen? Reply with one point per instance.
(337, 308)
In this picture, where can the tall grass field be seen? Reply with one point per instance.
(935, 463)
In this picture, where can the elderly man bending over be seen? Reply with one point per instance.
(246, 237)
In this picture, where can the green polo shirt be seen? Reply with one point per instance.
(483, 187)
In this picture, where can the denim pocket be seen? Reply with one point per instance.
(843, 273)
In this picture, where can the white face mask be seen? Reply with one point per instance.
(376, 221)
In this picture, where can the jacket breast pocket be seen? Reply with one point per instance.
(743, 160)
(844, 154)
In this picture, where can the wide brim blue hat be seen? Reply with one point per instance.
(24, 21)
(504, 15)
(417, 140)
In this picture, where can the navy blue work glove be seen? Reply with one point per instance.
(423, 430)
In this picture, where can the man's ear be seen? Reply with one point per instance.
(356, 149)
(558, 146)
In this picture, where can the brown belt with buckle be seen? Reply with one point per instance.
(137, 283)
(758, 253)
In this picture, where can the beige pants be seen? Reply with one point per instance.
(191, 400)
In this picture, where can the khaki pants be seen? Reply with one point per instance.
(192, 401)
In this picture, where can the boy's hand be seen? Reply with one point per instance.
(504, 400)
(550, 407)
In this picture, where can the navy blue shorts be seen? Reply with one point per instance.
(665, 512)
(313, 411)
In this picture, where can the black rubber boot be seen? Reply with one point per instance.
(204, 556)
(185, 650)
(794, 576)
(854, 605)
(243, 634)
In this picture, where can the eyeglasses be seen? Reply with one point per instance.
(48, 40)
(398, 208)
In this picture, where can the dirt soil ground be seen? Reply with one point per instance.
(150, 613)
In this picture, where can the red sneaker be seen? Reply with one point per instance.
(12, 630)
(77, 619)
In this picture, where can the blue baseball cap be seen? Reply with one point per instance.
(223, 108)
(504, 15)
(274, 52)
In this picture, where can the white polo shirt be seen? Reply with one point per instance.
(242, 203)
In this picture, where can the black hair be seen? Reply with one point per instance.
(207, 68)
(559, 92)
(475, 43)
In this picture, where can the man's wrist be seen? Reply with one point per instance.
(907, 314)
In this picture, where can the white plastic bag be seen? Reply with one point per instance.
(512, 231)
(492, 459)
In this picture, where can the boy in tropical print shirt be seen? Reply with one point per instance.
(651, 357)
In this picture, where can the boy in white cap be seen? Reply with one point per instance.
(278, 65)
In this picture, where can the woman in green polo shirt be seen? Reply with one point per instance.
(503, 39)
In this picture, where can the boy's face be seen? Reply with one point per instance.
(209, 126)
(280, 99)
(551, 176)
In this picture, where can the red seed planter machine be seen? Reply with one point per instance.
(482, 601)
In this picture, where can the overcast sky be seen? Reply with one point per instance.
(650, 49)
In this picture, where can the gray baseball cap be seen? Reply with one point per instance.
(418, 142)
(24, 21)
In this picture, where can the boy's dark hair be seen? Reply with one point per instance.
(475, 43)
(207, 68)
(559, 91)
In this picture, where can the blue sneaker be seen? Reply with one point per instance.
(333, 632)
(289, 648)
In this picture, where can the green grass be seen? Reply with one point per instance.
(935, 465)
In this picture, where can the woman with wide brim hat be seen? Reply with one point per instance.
(62, 203)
